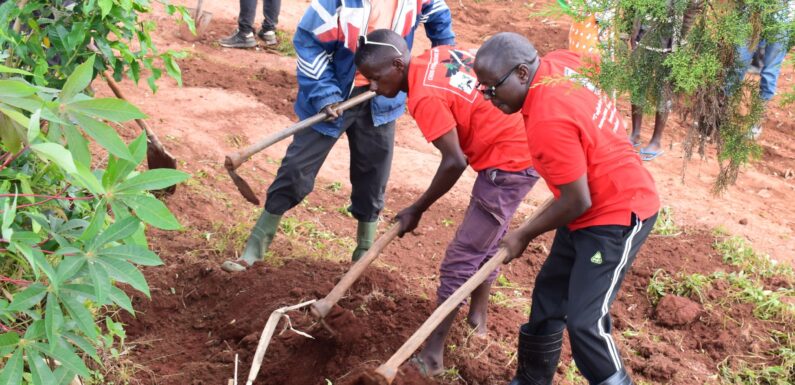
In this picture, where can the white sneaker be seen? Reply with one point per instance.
(269, 37)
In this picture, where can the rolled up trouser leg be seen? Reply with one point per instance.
(495, 197)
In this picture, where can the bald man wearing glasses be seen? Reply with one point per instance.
(452, 114)
(605, 206)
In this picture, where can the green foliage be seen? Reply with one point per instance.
(737, 252)
(684, 285)
(71, 231)
(665, 224)
(573, 375)
(742, 286)
(50, 39)
(768, 304)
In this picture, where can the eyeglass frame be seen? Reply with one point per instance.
(491, 91)
(363, 39)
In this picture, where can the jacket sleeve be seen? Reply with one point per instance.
(316, 40)
(435, 14)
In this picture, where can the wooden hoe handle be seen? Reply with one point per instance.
(389, 369)
(141, 123)
(322, 307)
(234, 160)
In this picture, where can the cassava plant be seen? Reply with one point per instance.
(50, 38)
(72, 225)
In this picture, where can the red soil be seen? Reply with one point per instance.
(200, 317)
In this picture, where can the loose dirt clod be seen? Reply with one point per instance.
(674, 310)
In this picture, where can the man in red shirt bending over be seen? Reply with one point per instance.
(467, 129)
(606, 205)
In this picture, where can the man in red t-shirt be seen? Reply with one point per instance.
(467, 129)
(605, 205)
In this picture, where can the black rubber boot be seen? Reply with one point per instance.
(538, 358)
(619, 378)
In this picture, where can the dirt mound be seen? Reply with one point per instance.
(674, 310)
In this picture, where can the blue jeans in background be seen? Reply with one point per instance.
(771, 65)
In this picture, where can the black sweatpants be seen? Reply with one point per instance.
(371, 160)
(577, 285)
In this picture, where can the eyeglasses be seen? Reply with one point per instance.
(363, 41)
(492, 91)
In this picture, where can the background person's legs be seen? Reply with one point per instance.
(771, 67)
(244, 36)
(245, 19)
(270, 11)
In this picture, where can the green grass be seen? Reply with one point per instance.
(743, 286)
(504, 283)
(344, 211)
(768, 304)
(665, 224)
(746, 285)
(572, 374)
(334, 186)
(737, 252)
(308, 239)
(684, 285)
(285, 44)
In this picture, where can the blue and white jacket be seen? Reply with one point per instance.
(325, 43)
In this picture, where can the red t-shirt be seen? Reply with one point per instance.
(573, 128)
(442, 96)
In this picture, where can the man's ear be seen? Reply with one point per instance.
(523, 73)
(399, 64)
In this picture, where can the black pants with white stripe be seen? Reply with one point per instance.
(577, 285)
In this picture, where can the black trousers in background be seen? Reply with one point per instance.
(371, 161)
(576, 286)
(248, 11)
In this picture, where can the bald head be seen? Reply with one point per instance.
(505, 66)
(383, 58)
(505, 50)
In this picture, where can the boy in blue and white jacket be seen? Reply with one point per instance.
(326, 41)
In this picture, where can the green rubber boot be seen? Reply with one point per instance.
(365, 235)
(258, 242)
